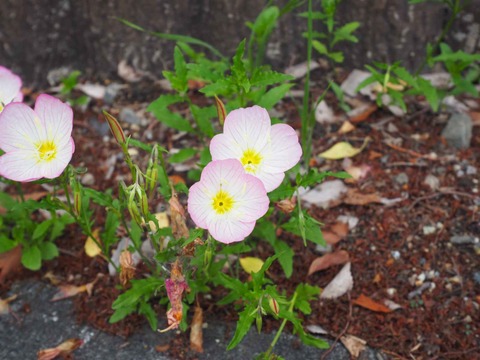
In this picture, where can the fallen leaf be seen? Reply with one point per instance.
(162, 219)
(335, 233)
(350, 220)
(340, 285)
(350, 84)
(196, 334)
(324, 262)
(353, 344)
(9, 262)
(316, 329)
(346, 127)
(128, 73)
(392, 305)
(300, 70)
(354, 197)
(91, 247)
(4, 304)
(342, 150)
(64, 349)
(95, 91)
(361, 113)
(162, 348)
(251, 264)
(370, 304)
(330, 237)
(372, 155)
(67, 291)
(357, 172)
(54, 279)
(475, 115)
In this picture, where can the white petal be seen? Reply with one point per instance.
(284, 150)
(57, 117)
(248, 127)
(230, 231)
(270, 181)
(10, 85)
(20, 128)
(20, 165)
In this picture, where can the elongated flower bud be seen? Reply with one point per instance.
(115, 128)
(135, 213)
(77, 199)
(273, 305)
(222, 113)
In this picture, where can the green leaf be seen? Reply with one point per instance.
(238, 68)
(146, 310)
(121, 313)
(336, 56)
(41, 229)
(244, 323)
(143, 288)
(431, 94)
(182, 155)
(6, 244)
(345, 33)
(220, 87)
(203, 117)
(31, 258)
(263, 77)
(310, 226)
(160, 109)
(273, 96)
(320, 47)
(49, 250)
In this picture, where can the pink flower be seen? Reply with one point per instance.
(265, 151)
(10, 86)
(37, 143)
(227, 201)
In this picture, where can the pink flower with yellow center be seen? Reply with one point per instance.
(227, 201)
(37, 143)
(265, 151)
(10, 86)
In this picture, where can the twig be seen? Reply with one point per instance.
(441, 191)
(350, 312)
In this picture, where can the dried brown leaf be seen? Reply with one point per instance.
(353, 197)
(63, 349)
(9, 262)
(370, 304)
(324, 262)
(5, 304)
(340, 285)
(196, 333)
(361, 113)
(353, 344)
(67, 291)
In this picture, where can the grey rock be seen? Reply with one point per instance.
(476, 277)
(458, 131)
(88, 179)
(129, 116)
(463, 239)
(100, 127)
(54, 76)
(401, 179)
(471, 170)
(432, 181)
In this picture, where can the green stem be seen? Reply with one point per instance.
(280, 329)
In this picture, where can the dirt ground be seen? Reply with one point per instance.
(419, 253)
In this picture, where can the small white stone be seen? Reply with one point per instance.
(396, 254)
(391, 291)
(428, 230)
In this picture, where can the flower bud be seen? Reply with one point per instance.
(115, 128)
(286, 205)
(222, 113)
(135, 213)
(258, 320)
(144, 203)
(273, 305)
(77, 198)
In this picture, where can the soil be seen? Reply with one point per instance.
(394, 249)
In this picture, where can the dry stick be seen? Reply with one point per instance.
(350, 312)
(442, 191)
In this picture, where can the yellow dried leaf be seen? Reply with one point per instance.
(63, 350)
(251, 264)
(162, 219)
(196, 333)
(346, 127)
(343, 150)
(91, 247)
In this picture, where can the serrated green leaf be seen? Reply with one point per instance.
(262, 77)
(146, 310)
(244, 323)
(344, 33)
(160, 109)
(203, 117)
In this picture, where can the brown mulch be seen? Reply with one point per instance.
(388, 247)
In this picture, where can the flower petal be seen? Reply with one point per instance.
(10, 85)
(248, 127)
(223, 174)
(21, 128)
(199, 204)
(284, 151)
(251, 200)
(269, 180)
(57, 117)
(223, 147)
(54, 168)
(20, 165)
(229, 231)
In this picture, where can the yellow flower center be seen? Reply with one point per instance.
(250, 160)
(222, 202)
(47, 151)
(1, 106)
